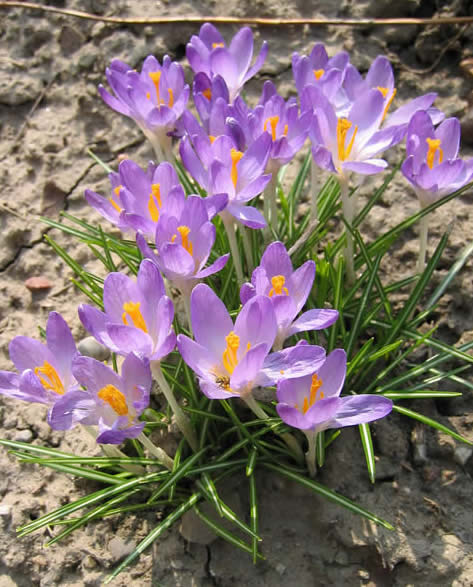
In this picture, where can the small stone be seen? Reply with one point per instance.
(38, 283)
(89, 347)
(5, 510)
(280, 568)
(462, 454)
(70, 39)
(119, 548)
(23, 436)
(420, 454)
(89, 563)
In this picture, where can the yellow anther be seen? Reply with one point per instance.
(148, 95)
(212, 139)
(318, 73)
(155, 78)
(132, 309)
(229, 356)
(49, 378)
(314, 391)
(278, 288)
(155, 203)
(185, 242)
(208, 94)
(215, 45)
(116, 191)
(171, 98)
(384, 92)
(114, 398)
(286, 128)
(343, 126)
(236, 156)
(273, 121)
(434, 146)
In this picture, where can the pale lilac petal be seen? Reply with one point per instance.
(211, 322)
(114, 436)
(94, 321)
(28, 353)
(368, 167)
(247, 215)
(222, 63)
(93, 374)
(216, 266)
(213, 391)
(300, 283)
(449, 134)
(247, 291)
(313, 320)
(60, 342)
(276, 261)
(323, 158)
(258, 64)
(199, 358)
(256, 323)
(249, 366)
(360, 409)
(128, 339)
(292, 362)
(72, 407)
(241, 48)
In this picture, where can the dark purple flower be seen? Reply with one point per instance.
(432, 165)
(138, 315)
(209, 54)
(313, 403)
(288, 291)
(231, 359)
(110, 401)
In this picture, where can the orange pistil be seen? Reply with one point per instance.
(318, 73)
(132, 309)
(229, 356)
(49, 378)
(186, 243)
(155, 203)
(278, 288)
(343, 126)
(114, 398)
(236, 156)
(156, 78)
(215, 45)
(208, 94)
(273, 121)
(314, 391)
(434, 146)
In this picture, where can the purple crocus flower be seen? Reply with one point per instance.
(432, 165)
(209, 54)
(231, 359)
(44, 370)
(288, 291)
(138, 197)
(110, 401)
(154, 98)
(313, 403)
(211, 100)
(138, 315)
(184, 240)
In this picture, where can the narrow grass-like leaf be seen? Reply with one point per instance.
(420, 394)
(250, 465)
(210, 490)
(328, 494)
(320, 448)
(253, 517)
(367, 442)
(359, 357)
(375, 197)
(97, 159)
(431, 423)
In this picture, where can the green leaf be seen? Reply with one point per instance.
(367, 442)
(250, 465)
(420, 394)
(253, 517)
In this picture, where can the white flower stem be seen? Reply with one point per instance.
(289, 439)
(113, 452)
(156, 451)
(229, 224)
(181, 419)
(423, 234)
(314, 190)
(310, 455)
(348, 206)
(247, 248)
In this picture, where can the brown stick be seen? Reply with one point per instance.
(245, 20)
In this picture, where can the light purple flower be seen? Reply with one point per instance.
(231, 359)
(154, 98)
(110, 401)
(211, 100)
(288, 291)
(313, 403)
(432, 165)
(138, 197)
(209, 54)
(44, 370)
(184, 240)
(138, 315)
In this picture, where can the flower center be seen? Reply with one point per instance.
(434, 146)
(156, 78)
(236, 156)
(116, 191)
(155, 203)
(343, 126)
(385, 91)
(278, 288)
(132, 309)
(49, 378)
(313, 393)
(318, 73)
(186, 243)
(114, 398)
(215, 45)
(208, 94)
(273, 121)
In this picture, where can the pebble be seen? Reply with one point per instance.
(89, 562)
(5, 510)
(89, 347)
(38, 283)
(119, 548)
(462, 454)
(280, 568)
(23, 435)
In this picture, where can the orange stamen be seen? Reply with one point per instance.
(318, 73)
(236, 156)
(114, 398)
(343, 126)
(278, 288)
(133, 311)
(229, 356)
(49, 378)
(186, 243)
(273, 121)
(155, 203)
(208, 94)
(434, 146)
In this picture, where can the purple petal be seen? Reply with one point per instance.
(72, 407)
(216, 266)
(247, 215)
(247, 369)
(60, 342)
(199, 358)
(360, 409)
(369, 167)
(128, 339)
(211, 322)
(313, 320)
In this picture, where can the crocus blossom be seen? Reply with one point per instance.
(231, 359)
(154, 98)
(138, 197)
(208, 53)
(138, 315)
(110, 401)
(44, 369)
(313, 403)
(432, 165)
(288, 290)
